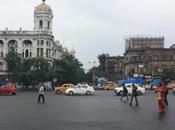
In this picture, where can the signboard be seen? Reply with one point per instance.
(135, 75)
(141, 66)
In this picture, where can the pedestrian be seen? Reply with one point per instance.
(134, 94)
(160, 91)
(165, 94)
(41, 93)
(125, 93)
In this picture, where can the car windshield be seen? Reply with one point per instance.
(84, 86)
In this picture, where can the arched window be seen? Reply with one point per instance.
(40, 24)
(30, 54)
(1, 65)
(12, 45)
(48, 24)
(27, 43)
(1, 44)
(27, 53)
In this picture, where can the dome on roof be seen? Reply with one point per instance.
(72, 51)
(43, 8)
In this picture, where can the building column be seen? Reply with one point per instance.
(5, 50)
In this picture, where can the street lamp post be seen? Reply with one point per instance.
(93, 73)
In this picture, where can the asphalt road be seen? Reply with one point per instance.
(102, 111)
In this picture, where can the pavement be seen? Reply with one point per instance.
(102, 111)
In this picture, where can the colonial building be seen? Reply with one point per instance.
(143, 57)
(114, 68)
(149, 61)
(138, 43)
(39, 42)
(149, 58)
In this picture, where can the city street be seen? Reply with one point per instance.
(102, 111)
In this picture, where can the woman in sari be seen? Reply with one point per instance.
(160, 90)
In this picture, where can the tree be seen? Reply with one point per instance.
(70, 70)
(14, 64)
(35, 70)
(167, 73)
(102, 59)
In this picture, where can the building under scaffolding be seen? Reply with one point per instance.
(140, 43)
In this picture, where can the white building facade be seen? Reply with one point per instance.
(37, 43)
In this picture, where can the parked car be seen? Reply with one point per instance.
(110, 86)
(171, 86)
(80, 89)
(119, 90)
(174, 91)
(62, 88)
(8, 89)
(99, 87)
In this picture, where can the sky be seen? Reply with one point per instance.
(94, 27)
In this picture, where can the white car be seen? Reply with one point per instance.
(174, 91)
(119, 90)
(80, 89)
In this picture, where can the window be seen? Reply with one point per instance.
(38, 42)
(42, 54)
(1, 44)
(84, 86)
(27, 53)
(48, 25)
(23, 53)
(42, 42)
(30, 54)
(40, 24)
(2, 54)
(128, 86)
(37, 52)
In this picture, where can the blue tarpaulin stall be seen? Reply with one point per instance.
(137, 81)
(155, 81)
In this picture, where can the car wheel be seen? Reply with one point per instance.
(139, 93)
(71, 93)
(88, 93)
(58, 92)
(118, 94)
(10, 93)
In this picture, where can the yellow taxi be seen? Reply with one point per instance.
(110, 86)
(61, 89)
(171, 86)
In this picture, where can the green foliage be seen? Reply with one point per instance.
(27, 71)
(167, 73)
(102, 59)
(14, 64)
(69, 70)
(35, 70)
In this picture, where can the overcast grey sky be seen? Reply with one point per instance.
(94, 27)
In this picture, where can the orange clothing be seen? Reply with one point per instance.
(160, 90)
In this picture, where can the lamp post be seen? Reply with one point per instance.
(93, 73)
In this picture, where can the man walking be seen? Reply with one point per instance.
(41, 94)
(165, 94)
(134, 94)
(125, 93)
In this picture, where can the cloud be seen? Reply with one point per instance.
(93, 27)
